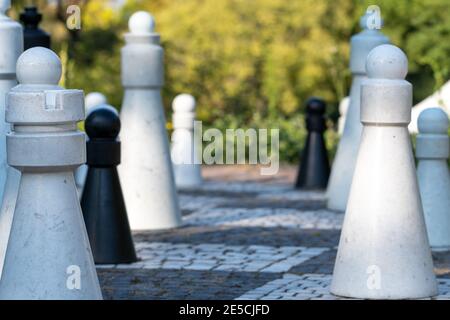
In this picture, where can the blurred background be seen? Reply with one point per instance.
(249, 63)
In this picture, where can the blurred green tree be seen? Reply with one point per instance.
(250, 63)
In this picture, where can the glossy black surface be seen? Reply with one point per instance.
(102, 201)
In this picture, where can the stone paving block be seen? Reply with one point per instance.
(238, 250)
(221, 257)
(266, 217)
(316, 288)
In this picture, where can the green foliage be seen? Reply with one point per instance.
(254, 63)
(420, 28)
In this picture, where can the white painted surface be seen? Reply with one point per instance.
(440, 98)
(93, 101)
(383, 251)
(343, 108)
(11, 40)
(186, 165)
(146, 170)
(344, 162)
(11, 46)
(48, 254)
(432, 152)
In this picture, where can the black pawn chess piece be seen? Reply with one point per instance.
(102, 200)
(33, 36)
(314, 165)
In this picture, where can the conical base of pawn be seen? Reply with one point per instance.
(434, 183)
(80, 178)
(106, 218)
(344, 161)
(146, 173)
(187, 176)
(7, 210)
(53, 260)
(186, 167)
(314, 167)
(383, 251)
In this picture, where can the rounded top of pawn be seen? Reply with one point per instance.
(183, 103)
(94, 99)
(315, 105)
(387, 62)
(102, 123)
(141, 22)
(38, 65)
(433, 120)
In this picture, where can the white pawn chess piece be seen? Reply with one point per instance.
(48, 254)
(432, 152)
(92, 102)
(343, 108)
(440, 98)
(383, 250)
(146, 170)
(96, 100)
(344, 162)
(11, 39)
(186, 165)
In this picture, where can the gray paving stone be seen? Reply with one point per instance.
(241, 240)
(178, 284)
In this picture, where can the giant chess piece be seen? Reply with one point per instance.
(33, 36)
(146, 170)
(383, 250)
(314, 166)
(92, 102)
(11, 47)
(94, 99)
(432, 152)
(97, 100)
(186, 165)
(102, 202)
(345, 159)
(48, 254)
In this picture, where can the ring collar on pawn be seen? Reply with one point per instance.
(386, 95)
